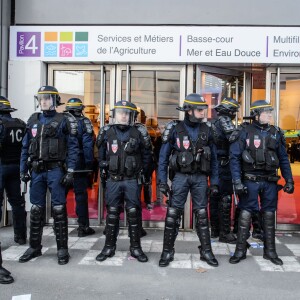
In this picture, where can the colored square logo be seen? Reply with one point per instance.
(81, 36)
(65, 50)
(51, 36)
(66, 36)
(50, 50)
(29, 44)
(81, 50)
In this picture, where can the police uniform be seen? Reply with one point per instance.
(188, 150)
(5, 275)
(50, 147)
(83, 166)
(11, 134)
(124, 154)
(257, 151)
(220, 206)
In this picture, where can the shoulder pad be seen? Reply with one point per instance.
(88, 127)
(208, 123)
(168, 130)
(146, 137)
(71, 123)
(21, 122)
(101, 135)
(235, 135)
(281, 134)
(33, 118)
(226, 124)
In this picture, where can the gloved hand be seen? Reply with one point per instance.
(289, 186)
(239, 187)
(103, 177)
(213, 190)
(25, 177)
(164, 188)
(68, 179)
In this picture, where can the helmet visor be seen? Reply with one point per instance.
(123, 116)
(46, 101)
(266, 116)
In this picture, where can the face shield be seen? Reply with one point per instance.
(198, 114)
(266, 116)
(46, 101)
(123, 116)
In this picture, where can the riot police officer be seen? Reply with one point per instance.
(190, 154)
(222, 129)
(257, 151)
(5, 275)
(49, 153)
(84, 165)
(124, 156)
(11, 134)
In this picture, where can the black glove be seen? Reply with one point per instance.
(213, 190)
(25, 177)
(68, 179)
(239, 187)
(103, 177)
(289, 186)
(164, 188)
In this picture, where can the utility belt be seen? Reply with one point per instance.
(39, 166)
(270, 178)
(122, 177)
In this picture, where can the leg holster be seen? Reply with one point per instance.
(243, 233)
(269, 230)
(61, 226)
(225, 212)
(36, 226)
(172, 223)
(112, 226)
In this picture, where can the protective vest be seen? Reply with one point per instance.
(46, 144)
(124, 157)
(192, 157)
(260, 152)
(11, 142)
(220, 139)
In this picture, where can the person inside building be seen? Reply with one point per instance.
(84, 165)
(124, 158)
(257, 150)
(188, 150)
(12, 131)
(49, 155)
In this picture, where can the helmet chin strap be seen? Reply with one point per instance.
(193, 119)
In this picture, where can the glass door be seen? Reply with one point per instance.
(156, 91)
(284, 94)
(94, 85)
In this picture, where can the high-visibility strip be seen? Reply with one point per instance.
(230, 103)
(74, 104)
(260, 106)
(48, 92)
(126, 107)
(5, 102)
(196, 103)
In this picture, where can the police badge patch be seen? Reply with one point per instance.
(257, 141)
(114, 146)
(34, 130)
(186, 142)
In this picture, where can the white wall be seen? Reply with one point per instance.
(24, 80)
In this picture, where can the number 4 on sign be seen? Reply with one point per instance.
(31, 45)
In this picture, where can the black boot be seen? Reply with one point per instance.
(257, 232)
(135, 235)
(36, 232)
(225, 221)
(5, 277)
(242, 236)
(172, 224)
(111, 233)
(20, 228)
(202, 229)
(214, 216)
(269, 241)
(61, 233)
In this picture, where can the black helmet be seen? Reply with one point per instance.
(51, 92)
(75, 104)
(127, 108)
(228, 106)
(193, 101)
(259, 106)
(5, 105)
